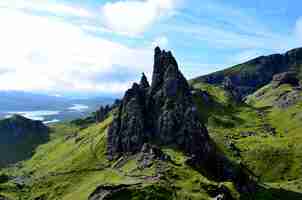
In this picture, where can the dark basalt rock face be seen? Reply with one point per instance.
(126, 133)
(252, 75)
(163, 113)
(285, 78)
(102, 113)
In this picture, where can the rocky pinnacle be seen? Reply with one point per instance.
(163, 113)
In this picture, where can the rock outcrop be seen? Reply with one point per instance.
(149, 153)
(288, 99)
(285, 78)
(163, 113)
(102, 113)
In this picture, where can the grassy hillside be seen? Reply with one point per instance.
(19, 138)
(265, 138)
(73, 164)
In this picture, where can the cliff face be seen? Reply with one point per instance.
(252, 75)
(163, 113)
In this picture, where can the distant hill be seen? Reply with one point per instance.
(19, 137)
(252, 75)
(25, 101)
(46, 107)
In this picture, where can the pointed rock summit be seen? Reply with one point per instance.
(163, 113)
(144, 82)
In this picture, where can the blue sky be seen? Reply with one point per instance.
(100, 47)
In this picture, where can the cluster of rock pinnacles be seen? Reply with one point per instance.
(164, 114)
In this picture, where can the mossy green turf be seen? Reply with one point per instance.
(73, 164)
(275, 158)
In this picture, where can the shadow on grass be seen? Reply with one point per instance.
(263, 193)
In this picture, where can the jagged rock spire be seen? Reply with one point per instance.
(144, 82)
(125, 135)
(164, 112)
(162, 60)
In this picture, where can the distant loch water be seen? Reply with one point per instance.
(78, 107)
(52, 116)
(34, 115)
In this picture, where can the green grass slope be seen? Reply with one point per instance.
(73, 164)
(259, 134)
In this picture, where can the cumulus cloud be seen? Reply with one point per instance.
(134, 17)
(49, 54)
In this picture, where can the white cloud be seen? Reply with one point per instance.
(134, 17)
(44, 6)
(161, 41)
(44, 53)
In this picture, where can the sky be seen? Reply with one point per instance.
(99, 47)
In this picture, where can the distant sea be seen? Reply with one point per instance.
(52, 116)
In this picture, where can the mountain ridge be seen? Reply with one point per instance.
(253, 74)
